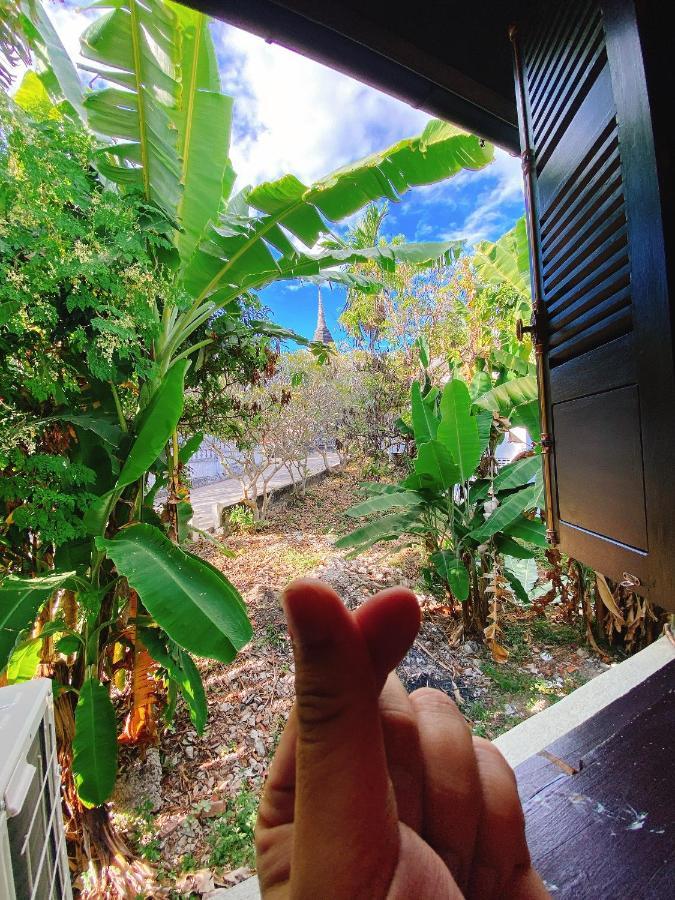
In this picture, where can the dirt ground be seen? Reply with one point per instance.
(189, 810)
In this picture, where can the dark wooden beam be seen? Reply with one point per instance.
(351, 44)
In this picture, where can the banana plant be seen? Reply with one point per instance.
(128, 597)
(474, 521)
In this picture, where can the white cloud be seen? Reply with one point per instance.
(488, 215)
(295, 115)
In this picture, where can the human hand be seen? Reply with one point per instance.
(376, 794)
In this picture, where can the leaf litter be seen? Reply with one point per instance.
(209, 783)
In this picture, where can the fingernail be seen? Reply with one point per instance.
(306, 624)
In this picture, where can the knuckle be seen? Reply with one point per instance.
(318, 710)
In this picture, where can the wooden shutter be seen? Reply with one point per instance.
(602, 322)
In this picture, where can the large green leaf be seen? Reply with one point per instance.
(94, 744)
(192, 601)
(525, 571)
(384, 529)
(511, 476)
(236, 252)
(384, 502)
(453, 572)
(433, 459)
(190, 447)
(425, 422)
(484, 421)
(504, 397)
(20, 600)
(532, 531)
(136, 45)
(204, 122)
(101, 425)
(159, 423)
(516, 364)
(507, 546)
(506, 261)
(506, 513)
(458, 430)
(182, 670)
(53, 59)
(527, 415)
(23, 662)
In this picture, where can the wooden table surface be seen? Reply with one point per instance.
(599, 801)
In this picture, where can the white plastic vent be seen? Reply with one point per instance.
(33, 860)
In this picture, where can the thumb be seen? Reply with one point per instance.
(344, 801)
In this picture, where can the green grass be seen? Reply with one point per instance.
(476, 712)
(232, 835)
(301, 561)
(508, 680)
(546, 632)
(515, 639)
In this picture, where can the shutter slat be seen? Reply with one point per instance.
(616, 325)
(565, 45)
(585, 46)
(600, 165)
(601, 205)
(616, 282)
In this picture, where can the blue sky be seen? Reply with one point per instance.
(294, 115)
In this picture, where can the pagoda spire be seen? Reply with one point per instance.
(322, 332)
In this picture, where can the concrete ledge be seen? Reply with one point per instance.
(545, 727)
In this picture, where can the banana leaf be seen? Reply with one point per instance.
(384, 502)
(532, 531)
(503, 398)
(159, 422)
(94, 744)
(458, 429)
(506, 261)
(137, 47)
(453, 572)
(57, 71)
(236, 251)
(204, 122)
(384, 529)
(506, 513)
(191, 600)
(424, 420)
(181, 668)
(510, 476)
(20, 601)
(434, 460)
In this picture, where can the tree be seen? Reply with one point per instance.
(463, 307)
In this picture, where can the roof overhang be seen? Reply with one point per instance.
(450, 60)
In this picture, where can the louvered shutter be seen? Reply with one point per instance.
(602, 319)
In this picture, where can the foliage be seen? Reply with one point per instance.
(232, 836)
(461, 307)
(456, 503)
(128, 274)
(14, 46)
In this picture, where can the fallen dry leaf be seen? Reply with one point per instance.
(499, 654)
(609, 601)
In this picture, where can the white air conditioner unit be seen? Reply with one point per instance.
(33, 859)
